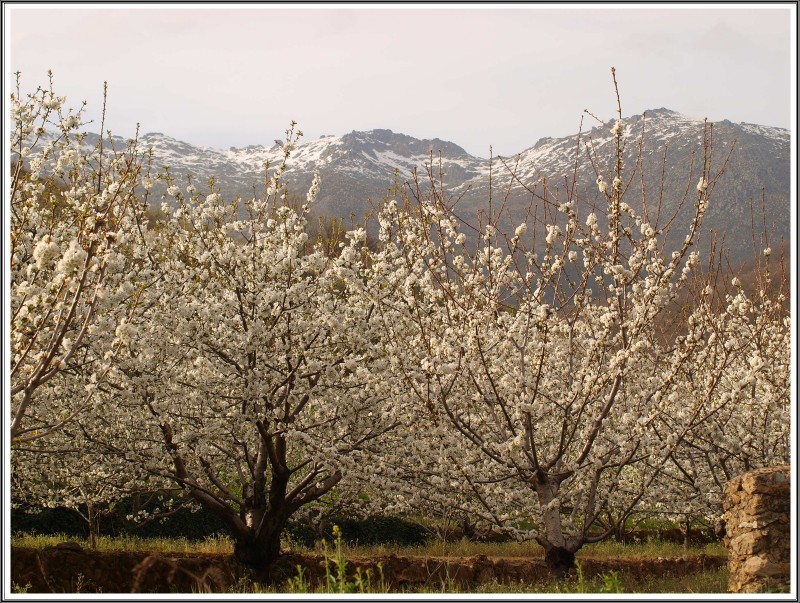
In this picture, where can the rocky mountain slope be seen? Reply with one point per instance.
(359, 168)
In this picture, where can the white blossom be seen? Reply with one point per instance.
(73, 258)
(45, 252)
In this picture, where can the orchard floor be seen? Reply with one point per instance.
(70, 568)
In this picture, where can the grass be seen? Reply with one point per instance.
(613, 582)
(710, 581)
(213, 545)
(438, 548)
(707, 582)
(651, 549)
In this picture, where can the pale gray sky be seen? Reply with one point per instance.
(494, 75)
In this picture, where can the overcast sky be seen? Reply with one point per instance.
(477, 76)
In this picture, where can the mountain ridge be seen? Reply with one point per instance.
(359, 168)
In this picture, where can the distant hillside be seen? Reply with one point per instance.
(360, 167)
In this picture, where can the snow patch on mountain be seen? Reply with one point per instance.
(777, 134)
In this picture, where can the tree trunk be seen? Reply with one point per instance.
(559, 552)
(259, 551)
(93, 519)
(687, 526)
(257, 555)
(559, 561)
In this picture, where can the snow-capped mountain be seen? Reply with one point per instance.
(357, 170)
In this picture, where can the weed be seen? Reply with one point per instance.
(20, 590)
(448, 582)
(298, 584)
(611, 583)
(336, 578)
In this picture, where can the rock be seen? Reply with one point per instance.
(757, 506)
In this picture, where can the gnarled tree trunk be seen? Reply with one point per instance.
(559, 551)
(259, 550)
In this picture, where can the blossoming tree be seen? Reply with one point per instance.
(536, 377)
(543, 371)
(746, 423)
(74, 259)
(245, 381)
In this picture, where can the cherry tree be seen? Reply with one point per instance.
(244, 381)
(67, 470)
(220, 350)
(79, 264)
(542, 371)
(212, 346)
(74, 260)
(746, 423)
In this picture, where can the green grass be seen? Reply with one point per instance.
(435, 548)
(337, 580)
(711, 581)
(651, 549)
(214, 545)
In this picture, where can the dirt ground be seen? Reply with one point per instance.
(69, 568)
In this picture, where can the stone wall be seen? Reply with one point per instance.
(757, 517)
